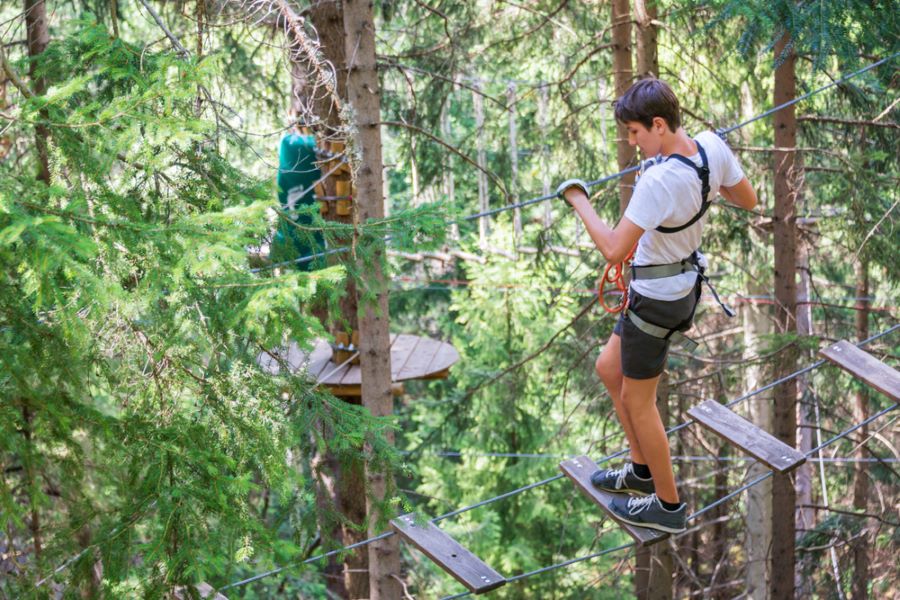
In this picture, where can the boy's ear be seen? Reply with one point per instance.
(660, 125)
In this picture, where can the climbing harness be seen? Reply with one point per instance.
(614, 273)
(691, 263)
(703, 173)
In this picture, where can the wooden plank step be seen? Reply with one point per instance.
(448, 554)
(579, 470)
(864, 366)
(756, 442)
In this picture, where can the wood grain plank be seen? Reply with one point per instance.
(417, 365)
(296, 359)
(579, 470)
(319, 358)
(412, 357)
(864, 366)
(401, 350)
(267, 362)
(348, 375)
(445, 356)
(756, 442)
(448, 554)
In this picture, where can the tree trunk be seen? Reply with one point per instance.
(31, 485)
(38, 38)
(484, 223)
(805, 518)
(6, 140)
(543, 108)
(449, 182)
(785, 396)
(514, 162)
(363, 94)
(758, 519)
(719, 541)
(621, 34)
(603, 102)
(645, 12)
(757, 324)
(326, 472)
(860, 471)
(414, 168)
(341, 485)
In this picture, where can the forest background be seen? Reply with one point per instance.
(142, 449)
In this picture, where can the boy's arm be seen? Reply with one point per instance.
(614, 244)
(741, 194)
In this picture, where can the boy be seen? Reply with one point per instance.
(665, 219)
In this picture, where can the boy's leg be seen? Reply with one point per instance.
(638, 397)
(609, 368)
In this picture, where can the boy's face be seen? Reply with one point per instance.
(648, 140)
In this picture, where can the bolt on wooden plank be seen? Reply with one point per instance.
(864, 366)
(448, 554)
(756, 442)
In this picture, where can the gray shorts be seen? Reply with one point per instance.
(643, 355)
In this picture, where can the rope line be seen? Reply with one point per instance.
(308, 561)
(590, 184)
(809, 94)
(692, 516)
(560, 476)
(561, 565)
(677, 457)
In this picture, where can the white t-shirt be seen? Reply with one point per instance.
(668, 194)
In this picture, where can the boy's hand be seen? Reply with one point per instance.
(571, 190)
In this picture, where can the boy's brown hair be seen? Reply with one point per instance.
(646, 99)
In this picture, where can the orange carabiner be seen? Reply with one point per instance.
(614, 273)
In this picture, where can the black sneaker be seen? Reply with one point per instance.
(648, 512)
(622, 481)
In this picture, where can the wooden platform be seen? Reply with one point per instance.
(579, 470)
(412, 357)
(448, 554)
(864, 366)
(756, 442)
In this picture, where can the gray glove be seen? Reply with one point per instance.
(572, 183)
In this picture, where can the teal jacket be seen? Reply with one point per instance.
(297, 173)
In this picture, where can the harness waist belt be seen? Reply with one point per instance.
(669, 270)
(662, 332)
(685, 265)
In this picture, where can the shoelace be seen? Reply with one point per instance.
(621, 474)
(636, 505)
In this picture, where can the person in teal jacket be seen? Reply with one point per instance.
(297, 176)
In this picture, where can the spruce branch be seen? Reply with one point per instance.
(857, 122)
(181, 49)
(12, 76)
(887, 110)
(302, 49)
(874, 229)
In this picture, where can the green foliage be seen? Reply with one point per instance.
(136, 420)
